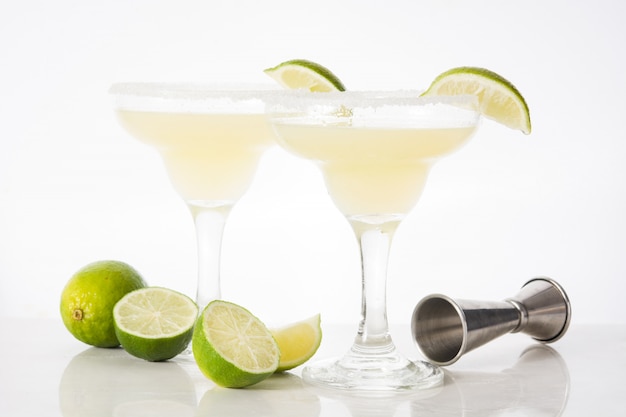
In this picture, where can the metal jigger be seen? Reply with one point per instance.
(446, 329)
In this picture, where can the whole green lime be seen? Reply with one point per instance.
(89, 296)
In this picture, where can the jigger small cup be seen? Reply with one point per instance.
(445, 329)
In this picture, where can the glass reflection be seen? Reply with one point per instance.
(371, 404)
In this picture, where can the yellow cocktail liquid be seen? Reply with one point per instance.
(210, 158)
(376, 172)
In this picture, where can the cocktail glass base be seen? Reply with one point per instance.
(379, 373)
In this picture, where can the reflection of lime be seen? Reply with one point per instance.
(232, 347)
(89, 296)
(109, 382)
(282, 395)
(498, 97)
(307, 75)
(154, 323)
(298, 342)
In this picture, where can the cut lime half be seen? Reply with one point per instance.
(499, 99)
(232, 347)
(154, 323)
(307, 75)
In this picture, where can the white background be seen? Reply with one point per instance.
(75, 188)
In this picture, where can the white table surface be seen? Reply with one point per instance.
(46, 372)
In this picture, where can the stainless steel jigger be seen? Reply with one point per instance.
(446, 329)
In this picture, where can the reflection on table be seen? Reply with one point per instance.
(282, 395)
(106, 382)
(537, 385)
(109, 382)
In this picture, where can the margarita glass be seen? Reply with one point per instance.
(375, 150)
(210, 139)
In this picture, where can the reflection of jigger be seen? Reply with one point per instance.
(537, 385)
(446, 329)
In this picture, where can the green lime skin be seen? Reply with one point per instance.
(154, 350)
(170, 314)
(312, 66)
(89, 296)
(216, 367)
(320, 69)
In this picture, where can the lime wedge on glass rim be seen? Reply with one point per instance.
(232, 347)
(499, 99)
(298, 342)
(154, 323)
(306, 75)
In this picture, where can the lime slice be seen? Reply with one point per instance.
(307, 75)
(154, 323)
(498, 97)
(88, 298)
(298, 342)
(232, 347)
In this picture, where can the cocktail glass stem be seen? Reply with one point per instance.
(373, 362)
(209, 223)
(373, 334)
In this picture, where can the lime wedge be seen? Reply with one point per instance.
(298, 342)
(306, 75)
(154, 323)
(498, 97)
(232, 347)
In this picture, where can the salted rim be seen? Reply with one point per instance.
(394, 108)
(267, 99)
(188, 90)
(191, 97)
(366, 98)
